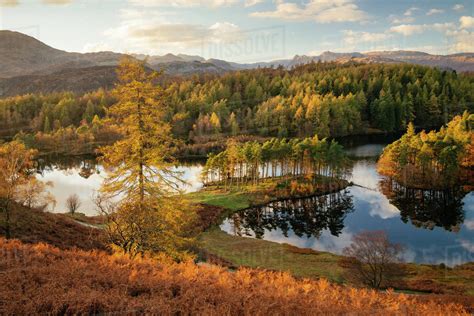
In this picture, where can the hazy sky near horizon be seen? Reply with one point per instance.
(244, 30)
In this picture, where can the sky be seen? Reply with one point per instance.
(244, 30)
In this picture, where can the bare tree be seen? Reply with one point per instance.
(372, 259)
(73, 203)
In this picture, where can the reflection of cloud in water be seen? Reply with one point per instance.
(364, 173)
(467, 244)
(469, 205)
(68, 181)
(469, 224)
(192, 176)
(326, 242)
(378, 203)
(330, 243)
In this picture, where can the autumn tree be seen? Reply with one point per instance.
(431, 160)
(372, 259)
(140, 168)
(16, 164)
(73, 203)
(34, 194)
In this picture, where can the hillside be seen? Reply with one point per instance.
(59, 230)
(47, 280)
(21, 55)
(71, 79)
(463, 62)
(28, 65)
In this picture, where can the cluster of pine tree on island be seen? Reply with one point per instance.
(329, 100)
(433, 160)
(249, 162)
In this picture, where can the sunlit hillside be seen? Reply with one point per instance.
(93, 282)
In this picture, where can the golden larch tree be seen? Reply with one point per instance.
(148, 218)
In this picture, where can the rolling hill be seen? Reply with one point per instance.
(27, 65)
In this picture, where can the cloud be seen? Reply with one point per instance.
(463, 41)
(467, 22)
(401, 20)
(353, 38)
(13, 3)
(321, 11)
(56, 2)
(149, 32)
(184, 3)
(411, 29)
(410, 11)
(468, 245)
(9, 3)
(250, 3)
(469, 224)
(184, 35)
(458, 7)
(434, 11)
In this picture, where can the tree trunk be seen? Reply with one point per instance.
(141, 180)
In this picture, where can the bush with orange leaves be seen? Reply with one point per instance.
(41, 279)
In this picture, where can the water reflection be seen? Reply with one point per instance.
(426, 208)
(434, 227)
(82, 175)
(307, 217)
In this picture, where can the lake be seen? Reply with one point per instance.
(84, 176)
(434, 227)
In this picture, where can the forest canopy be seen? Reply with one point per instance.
(326, 99)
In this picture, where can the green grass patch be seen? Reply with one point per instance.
(257, 253)
(232, 200)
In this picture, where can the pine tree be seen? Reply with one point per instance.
(215, 122)
(90, 112)
(47, 125)
(233, 124)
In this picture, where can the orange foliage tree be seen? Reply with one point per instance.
(16, 164)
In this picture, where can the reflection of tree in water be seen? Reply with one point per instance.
(308, 216)
(426, 208)
(86, 165)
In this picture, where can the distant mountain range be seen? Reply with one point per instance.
(28, 65)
